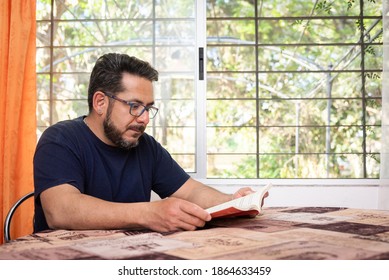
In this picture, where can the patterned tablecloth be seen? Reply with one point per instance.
(297, 233)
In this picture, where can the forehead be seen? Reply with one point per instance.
(136, 87)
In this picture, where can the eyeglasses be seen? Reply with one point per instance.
(136, 109)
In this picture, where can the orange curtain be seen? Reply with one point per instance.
(17, 109)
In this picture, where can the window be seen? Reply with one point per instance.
(73, 34)
(292, 87)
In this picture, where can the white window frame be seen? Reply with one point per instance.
(357, 193)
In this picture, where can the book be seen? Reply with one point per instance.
(249, 205)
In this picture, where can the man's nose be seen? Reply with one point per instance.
(144, 118)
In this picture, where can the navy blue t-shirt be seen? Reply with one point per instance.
(69, 153)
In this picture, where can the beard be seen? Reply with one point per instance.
(116, 136)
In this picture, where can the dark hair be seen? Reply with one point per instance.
(108, 72)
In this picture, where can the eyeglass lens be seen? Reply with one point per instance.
(138, 109)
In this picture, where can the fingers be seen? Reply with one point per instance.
(194, 211)
(263, 199)
(243, 192)
(189, 222)
(175, 214)
(191, 216)
(246, 191)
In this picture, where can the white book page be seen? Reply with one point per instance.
(244, 203)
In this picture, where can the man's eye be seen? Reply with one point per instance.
(135, 106)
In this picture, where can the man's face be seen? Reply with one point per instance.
(120, 127)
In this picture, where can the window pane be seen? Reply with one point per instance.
(292, 31)
(373, 84)
(44, 62)
(301, 8)
(66, 110)
(309, 58)
(43, 9)
(187, 161)
(311, 85)
(373, 56)
(43, 34)
(175, 139)
(231, 113)
(236, 8)
(175, 32)
(83, 59)
(71, 86)
(175, 9)
(373, 166)
(160, 32)
(231, 58)
(304, 80)
(97, 9)
(229, 85)
(311, 166)
(310, 112)
(231, 140)
(291, 91)
(231, 31)
(373, 143)
(100, 33)
(176, 113)
(43, 113)
(43, 89)
(231, 166)
(174, 86)
(175, 59)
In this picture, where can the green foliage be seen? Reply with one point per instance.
(284, 94)
(308, 123)
(326, 7)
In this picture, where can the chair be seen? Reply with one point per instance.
(8, 218)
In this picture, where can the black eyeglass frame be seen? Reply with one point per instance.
(152, 110)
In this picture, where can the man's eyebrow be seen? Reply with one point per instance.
(141, 102)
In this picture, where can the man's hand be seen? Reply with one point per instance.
(66, 208)
(246, 191)
(242, 192)
(173, 214)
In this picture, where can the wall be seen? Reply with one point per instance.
(321, 193)
(328, 196)
(353, 193)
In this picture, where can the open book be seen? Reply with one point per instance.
(248, 205)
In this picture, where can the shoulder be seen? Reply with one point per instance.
(154, 150)
(149, 142)
(62, 131)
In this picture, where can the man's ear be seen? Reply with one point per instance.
(100, 102)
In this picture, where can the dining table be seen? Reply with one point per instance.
(277, 233)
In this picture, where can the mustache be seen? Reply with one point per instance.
(139, 128)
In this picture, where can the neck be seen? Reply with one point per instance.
(96, 126)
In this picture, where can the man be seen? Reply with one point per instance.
(98, 171)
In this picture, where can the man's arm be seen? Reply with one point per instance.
(66, 208)
(205, 196)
